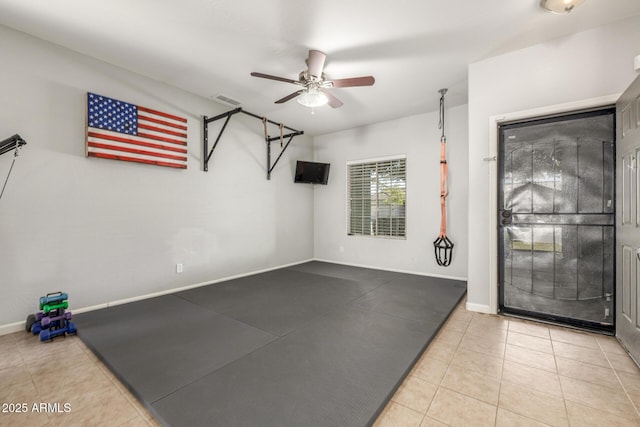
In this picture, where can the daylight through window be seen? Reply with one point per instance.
(377, 198)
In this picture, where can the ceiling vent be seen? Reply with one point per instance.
(223, 99)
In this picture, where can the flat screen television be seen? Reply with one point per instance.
(311, 172)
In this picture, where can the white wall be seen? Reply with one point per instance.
(418, 138)
(582, 66)
(105, 230)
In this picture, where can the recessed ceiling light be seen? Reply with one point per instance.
(560, 6)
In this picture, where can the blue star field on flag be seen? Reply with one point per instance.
(111, 114)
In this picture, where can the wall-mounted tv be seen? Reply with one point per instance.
(311, 172)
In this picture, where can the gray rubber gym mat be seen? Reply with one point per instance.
(413, 297)
(158, 345)
(335, 371)
(316, 344)
(278, 301)
(368, 275)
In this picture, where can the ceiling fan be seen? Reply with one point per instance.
(314, 91)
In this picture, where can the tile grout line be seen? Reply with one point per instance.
(408, 408)
(555, 362)
(124, 392)
(521, 364)
(33, 381)
(626, 393)
(115, 382)
(446, 371)
(589, 363)
(440, 384)
(504, 355)
(556, 373)
(128, 396)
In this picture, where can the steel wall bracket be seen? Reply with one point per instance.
(207, 153)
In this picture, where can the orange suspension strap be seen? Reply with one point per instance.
(442, 245)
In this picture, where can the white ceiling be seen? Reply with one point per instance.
(209, 47)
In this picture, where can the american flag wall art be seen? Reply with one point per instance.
(122, 131)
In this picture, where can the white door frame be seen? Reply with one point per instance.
(494, 122)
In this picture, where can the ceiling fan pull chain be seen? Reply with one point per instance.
(281, 134)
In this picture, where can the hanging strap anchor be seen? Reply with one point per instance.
(443, 246)
(266, 135)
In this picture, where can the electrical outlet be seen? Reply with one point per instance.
(178, 268)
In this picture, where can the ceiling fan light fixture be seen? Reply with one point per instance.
(560, 6)
(313, 98)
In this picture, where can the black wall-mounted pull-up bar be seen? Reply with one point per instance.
(268, 139)
(12, 143)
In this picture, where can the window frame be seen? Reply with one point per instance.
(376, 161)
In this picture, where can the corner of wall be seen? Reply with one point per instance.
(479, 308)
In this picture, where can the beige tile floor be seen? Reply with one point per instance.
(62, 372)
(480, 370)
(484, 370)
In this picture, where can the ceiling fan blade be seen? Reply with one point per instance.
(315, 63)
(333, 101)
(289, 97)
(353, 81)
(280, 79)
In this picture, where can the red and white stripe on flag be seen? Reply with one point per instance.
(122, 131)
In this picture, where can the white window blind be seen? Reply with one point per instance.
(377, 198)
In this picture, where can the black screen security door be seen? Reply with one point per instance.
(556, 218)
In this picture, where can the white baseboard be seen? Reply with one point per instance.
(187, 287)
(480, 308)
(19, 326)
(10, 328)
(91, 308)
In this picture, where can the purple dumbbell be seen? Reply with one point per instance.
(46, 321)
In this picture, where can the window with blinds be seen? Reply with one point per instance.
(377, 193)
